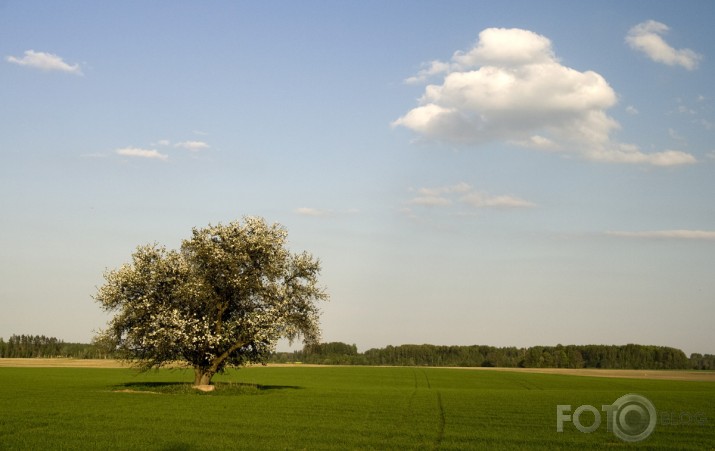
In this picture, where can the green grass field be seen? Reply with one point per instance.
(333, 408)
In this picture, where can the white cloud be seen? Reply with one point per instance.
(462, 193)
(500, 47)
(436, 197)
(484, 200)
(431, 69)
(322, 213)
(430, 201)
(630, 154)
(630, 109)
(460, 187)
(537, 142)
(646, 37)
(141, 153)
(668, 234)
(407, 212)
(193, 146)
(307, 211)
(45, 61)
(511, 87)
(675, 135)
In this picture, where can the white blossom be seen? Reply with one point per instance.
(224, 298)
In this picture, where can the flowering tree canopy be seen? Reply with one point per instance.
(224, 298)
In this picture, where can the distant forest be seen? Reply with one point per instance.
(39, 346)
(629, 356)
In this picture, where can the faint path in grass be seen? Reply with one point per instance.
(414, 392)
(408, 412)
(520, 381)
(442, 421)
(440, 409)
(424, 412)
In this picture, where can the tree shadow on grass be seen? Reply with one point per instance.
(222, 388)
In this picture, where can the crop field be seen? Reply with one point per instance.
(335, 408)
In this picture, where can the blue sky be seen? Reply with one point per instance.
(511, 174)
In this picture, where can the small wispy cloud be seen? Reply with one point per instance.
(314, 212)
(632, 155)
(325, 213)
(667, 234)
(136, 152)
(646, 38)
(673, 133)
(460, 187)
(462, 193)
(193, 146)
(484, 200)
(430, 201)
(45, 61)
(438, 196)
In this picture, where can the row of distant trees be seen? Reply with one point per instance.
(629, 356)
(40, 346)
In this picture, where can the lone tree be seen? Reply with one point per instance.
(224, 298)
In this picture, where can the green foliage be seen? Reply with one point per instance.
(329, 408)
(40, 346)
(630, 356)
(702, 362)
(334, 353)
(224, 298)
(338, 353)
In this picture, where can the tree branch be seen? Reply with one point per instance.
(217, 361)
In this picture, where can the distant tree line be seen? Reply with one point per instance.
(40, 346)
(629, 356)
(702, 361)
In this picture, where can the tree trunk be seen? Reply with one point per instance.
(202, 376)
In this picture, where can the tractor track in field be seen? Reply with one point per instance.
(440, 408)
(521, 382)
(442, 421)
(411, 401)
